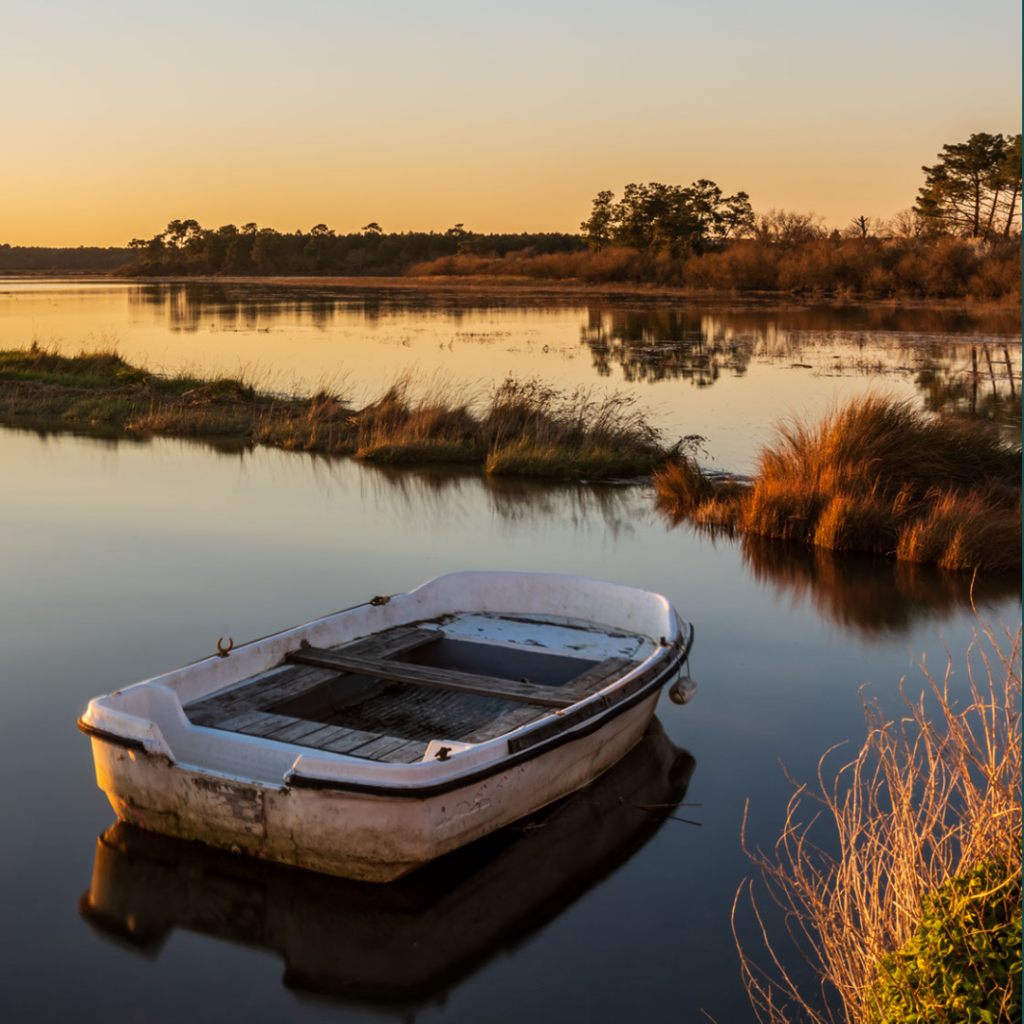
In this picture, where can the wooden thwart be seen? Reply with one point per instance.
(280, 686)
(445, 679)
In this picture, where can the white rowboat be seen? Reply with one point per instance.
(368, 743)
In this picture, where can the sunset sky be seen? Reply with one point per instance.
(120, 116)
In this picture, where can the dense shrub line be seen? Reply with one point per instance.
(43, 258)
(939, 266)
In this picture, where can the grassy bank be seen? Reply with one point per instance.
(872, 476)
(909, 908)
(520, 428)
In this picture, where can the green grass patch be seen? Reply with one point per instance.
(86, 370)
(100, 410)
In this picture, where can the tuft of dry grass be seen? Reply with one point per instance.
(874, 475)
(436, 427)
(534, 430)
(927, 799)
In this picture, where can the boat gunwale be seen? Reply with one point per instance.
(145, 727)
(292, 779)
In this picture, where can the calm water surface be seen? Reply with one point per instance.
(722, 370)
(121, 560)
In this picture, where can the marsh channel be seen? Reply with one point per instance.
(124, 557)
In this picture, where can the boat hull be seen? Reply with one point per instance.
(362, 835)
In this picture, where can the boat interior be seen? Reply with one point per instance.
(465, 678)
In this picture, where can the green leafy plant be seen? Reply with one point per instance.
(963, 962)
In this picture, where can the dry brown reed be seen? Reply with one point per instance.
(927, 798)
(533, 429)
(437, 426)
(895, 267)
(874, 475)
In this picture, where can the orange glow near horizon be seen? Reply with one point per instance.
(506, 121)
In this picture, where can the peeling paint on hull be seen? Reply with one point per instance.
(354, 835)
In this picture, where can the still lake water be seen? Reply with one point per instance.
(123, 559)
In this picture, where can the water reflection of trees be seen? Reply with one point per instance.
(976, 380)
(652, 345)
(960, 362)
(969, 375)
(193, 306)
(868, 596)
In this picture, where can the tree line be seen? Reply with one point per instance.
(185, 247)
(44, 258)
(972, 192)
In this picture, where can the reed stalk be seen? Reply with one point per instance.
(929, 798)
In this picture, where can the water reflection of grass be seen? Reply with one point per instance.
(870, 595)
(429, 493)
(522, 428)
(873, 476)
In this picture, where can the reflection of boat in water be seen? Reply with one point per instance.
(398, 945)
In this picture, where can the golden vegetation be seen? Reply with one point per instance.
(873, 476)
(520, 428)
(929, 799)
(915, 267)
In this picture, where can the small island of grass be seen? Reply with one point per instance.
(521, 428)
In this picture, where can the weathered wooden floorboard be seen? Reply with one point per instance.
(260, 693)
(505, 723)
(407, 753)
(445, 679)
(267, 724)
(294, 680)
(344, 744)
(380, 746)
(238, 722)
(336, 734)
(295, 733)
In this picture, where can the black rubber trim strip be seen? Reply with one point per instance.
(415, 792)
(128, 742)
